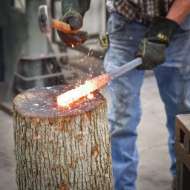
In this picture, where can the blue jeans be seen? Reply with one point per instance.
(173, 79)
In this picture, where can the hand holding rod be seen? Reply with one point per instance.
(46, 22)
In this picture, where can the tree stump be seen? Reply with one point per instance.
(61, 149)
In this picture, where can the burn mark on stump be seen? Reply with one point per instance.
(95, 151)
(64, 187)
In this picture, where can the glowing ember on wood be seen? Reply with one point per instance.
(84, 90)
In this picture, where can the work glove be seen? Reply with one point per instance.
(75, 20)
(152, 47)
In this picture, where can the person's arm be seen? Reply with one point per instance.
(72, 13)
(179, 10)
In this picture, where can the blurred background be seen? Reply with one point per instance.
(28, 59)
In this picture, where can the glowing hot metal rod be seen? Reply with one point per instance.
(64, 100)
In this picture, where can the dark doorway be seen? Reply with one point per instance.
(2, 66)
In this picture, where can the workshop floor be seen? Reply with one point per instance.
(154, 161)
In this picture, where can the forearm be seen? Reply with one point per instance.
(179, 10)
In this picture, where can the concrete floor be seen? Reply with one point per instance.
(154, 161)
(153, 150)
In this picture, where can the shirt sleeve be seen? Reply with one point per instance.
(129, 9)
(80, 6)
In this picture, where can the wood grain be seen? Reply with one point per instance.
(59, 149)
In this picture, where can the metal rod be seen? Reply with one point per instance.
(119, 71)
(39, 77)
(44, 57)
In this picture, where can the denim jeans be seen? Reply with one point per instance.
(173, 79)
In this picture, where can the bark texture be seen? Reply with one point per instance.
(59, 149)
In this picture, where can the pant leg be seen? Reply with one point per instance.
(173, 79)
(124, 112)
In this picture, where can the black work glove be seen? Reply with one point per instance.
(157, 38)
(75, 20)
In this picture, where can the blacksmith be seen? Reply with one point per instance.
(159, 32)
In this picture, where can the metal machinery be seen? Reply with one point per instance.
(49, 69)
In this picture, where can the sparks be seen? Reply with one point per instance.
(84, 90)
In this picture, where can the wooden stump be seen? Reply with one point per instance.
(58, 149)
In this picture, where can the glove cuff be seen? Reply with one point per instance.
(161, 30)
(72, 12)
(80, 6)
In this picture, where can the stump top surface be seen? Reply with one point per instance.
(42, 103)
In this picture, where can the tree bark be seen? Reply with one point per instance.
(61, 149)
